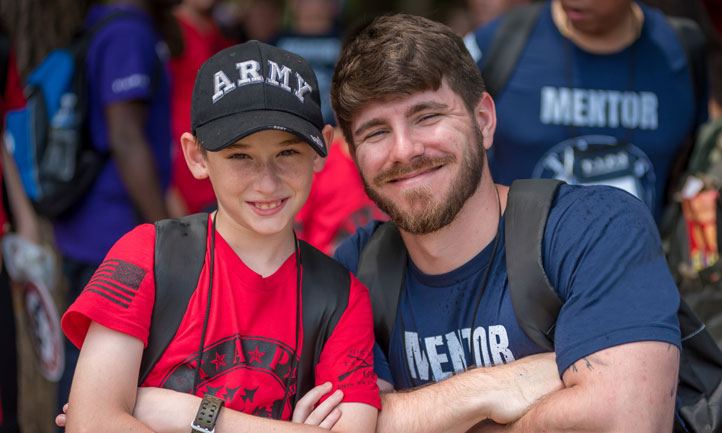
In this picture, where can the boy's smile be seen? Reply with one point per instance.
(268, 206)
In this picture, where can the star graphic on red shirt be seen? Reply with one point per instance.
(220, 360)
(256, 355)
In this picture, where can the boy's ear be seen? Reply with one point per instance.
(318, 161)
(194, 156)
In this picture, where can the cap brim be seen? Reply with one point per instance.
(220, 133)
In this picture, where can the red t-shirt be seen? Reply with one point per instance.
(336, 205)
(251, 328)
(198, 47)
(12, 98)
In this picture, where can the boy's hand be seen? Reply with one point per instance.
(326, 414)
(60, 419)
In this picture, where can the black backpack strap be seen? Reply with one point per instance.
(381, 268)
(700, 376)
(536, 303)
(507, 44)
(695, 47)
(325, 291)
(4, 62)
(180, 251)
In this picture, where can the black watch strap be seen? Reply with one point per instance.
(205, 421)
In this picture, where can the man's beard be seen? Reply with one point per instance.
(432, 215)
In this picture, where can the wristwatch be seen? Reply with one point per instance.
(205, 421)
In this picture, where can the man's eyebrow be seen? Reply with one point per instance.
(368, 125)
(423, 106)
(428, 105)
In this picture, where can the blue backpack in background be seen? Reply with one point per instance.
(49, 138)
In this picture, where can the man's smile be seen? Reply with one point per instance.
(418, 168)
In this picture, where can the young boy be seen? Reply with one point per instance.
(257, 134)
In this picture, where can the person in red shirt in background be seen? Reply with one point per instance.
(26, 226)
(201, 39)
(337, 204)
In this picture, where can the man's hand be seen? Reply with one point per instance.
(503, 393)
(520, 384)
(629, 387)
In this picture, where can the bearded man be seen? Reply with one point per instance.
(412, 105)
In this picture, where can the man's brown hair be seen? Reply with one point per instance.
(401, 55)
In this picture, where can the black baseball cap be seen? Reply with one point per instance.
(252, 87)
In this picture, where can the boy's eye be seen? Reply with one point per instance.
(288, 152)
(238, 156)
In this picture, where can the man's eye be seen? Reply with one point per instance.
(429, 116)
(238, 156)
(375, 134)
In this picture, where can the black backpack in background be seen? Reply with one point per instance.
(698, 275)
(382, 266)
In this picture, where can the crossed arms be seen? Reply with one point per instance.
(631, 387)
(103, 397)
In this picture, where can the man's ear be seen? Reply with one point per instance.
(485, 115)
(194, 156)
(318, 160)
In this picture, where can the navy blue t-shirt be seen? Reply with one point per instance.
(601, 252)
(617, 119)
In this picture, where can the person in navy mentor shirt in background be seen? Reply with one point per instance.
(601, 94)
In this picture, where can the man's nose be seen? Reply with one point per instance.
(406, 147)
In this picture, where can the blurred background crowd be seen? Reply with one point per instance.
(139, 78)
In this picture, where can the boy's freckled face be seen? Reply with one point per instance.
(263, 180)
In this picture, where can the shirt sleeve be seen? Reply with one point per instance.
(603, 254)
(120, 294)
(347, 357)
(125, 61)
